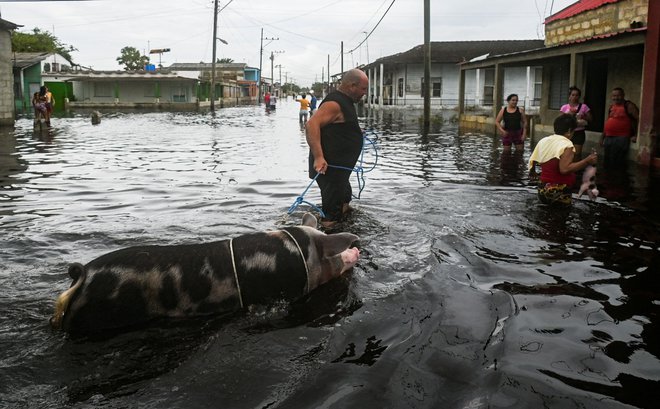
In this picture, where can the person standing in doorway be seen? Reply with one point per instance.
(304, 109)
(335, 139)
(514, 130)
(620, 128)
(582, 114)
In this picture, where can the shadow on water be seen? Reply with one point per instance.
(468, 293)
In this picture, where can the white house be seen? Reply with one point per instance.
(397, 80)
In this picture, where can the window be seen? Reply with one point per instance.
(400, 87)
(558, 86)
(102, 89)
(489, 86)
(436, 87)
(538, 86)
(179, 94)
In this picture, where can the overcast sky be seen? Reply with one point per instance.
(307, 31)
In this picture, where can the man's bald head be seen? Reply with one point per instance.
(354, 83)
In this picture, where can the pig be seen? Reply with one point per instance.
(589, 183)
(131, 286)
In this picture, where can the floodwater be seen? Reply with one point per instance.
(469, 293)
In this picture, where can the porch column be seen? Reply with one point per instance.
(477, 88)
(380, 100)
(498, 90)
(649, 111)
(375, 85)
(461, 93)
(529, 78)
(575, 71)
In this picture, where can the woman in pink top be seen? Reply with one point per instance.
(582, 114)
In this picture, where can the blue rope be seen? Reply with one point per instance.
(359, 171)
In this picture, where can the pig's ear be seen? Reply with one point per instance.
(309, 220)
(333, 244)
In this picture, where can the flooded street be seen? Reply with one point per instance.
(469, 293)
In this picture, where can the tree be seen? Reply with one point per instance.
(132, 59)
(40, 41)
(318, 88)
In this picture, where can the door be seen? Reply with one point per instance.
(596, 94)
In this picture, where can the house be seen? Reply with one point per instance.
(235, 83)
(596, 45)
(30, 71)
(128, 89)
(397, 80)
(7, 110)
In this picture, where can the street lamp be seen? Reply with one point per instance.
(213, 68)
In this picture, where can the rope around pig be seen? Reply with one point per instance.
(358, 169)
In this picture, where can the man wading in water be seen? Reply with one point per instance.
(335, 139)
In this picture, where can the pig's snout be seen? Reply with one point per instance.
(349, 257)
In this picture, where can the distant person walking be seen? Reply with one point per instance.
(267, 99)
(555, 155)
(312, 104)
(620, 128)
(582, 114)
(50, 103)
(39, 105)
(304, 109)
(514, 130)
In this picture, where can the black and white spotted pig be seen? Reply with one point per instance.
(133, 285)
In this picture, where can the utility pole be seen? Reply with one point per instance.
(215, 34)
(272, 59)
(328, 75)
(261, 54)
(427, 65)
(367, 43)
(280, 67)
(342, 58)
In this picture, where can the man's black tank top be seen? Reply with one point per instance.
(341, 142)
(512, 120)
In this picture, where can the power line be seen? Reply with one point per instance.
(373, 29)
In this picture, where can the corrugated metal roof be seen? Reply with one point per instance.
(123, 75)
(577, 8)
(187, 66)
(459, 51)
(8, 25)
(22, 60)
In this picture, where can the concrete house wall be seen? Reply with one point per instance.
(6, 76)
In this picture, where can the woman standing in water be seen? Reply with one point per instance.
(514, 130)
(582, 114)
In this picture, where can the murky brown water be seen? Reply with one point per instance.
(469, 292)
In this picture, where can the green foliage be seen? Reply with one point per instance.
(318, 88)
(131, 59)
(290, 88)
(40, 41)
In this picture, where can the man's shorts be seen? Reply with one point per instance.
(513, 137)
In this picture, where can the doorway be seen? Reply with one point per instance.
(596, 93)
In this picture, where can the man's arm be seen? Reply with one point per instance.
(633, 112)
(326, 114)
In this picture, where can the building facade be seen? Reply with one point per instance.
(596, 45)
